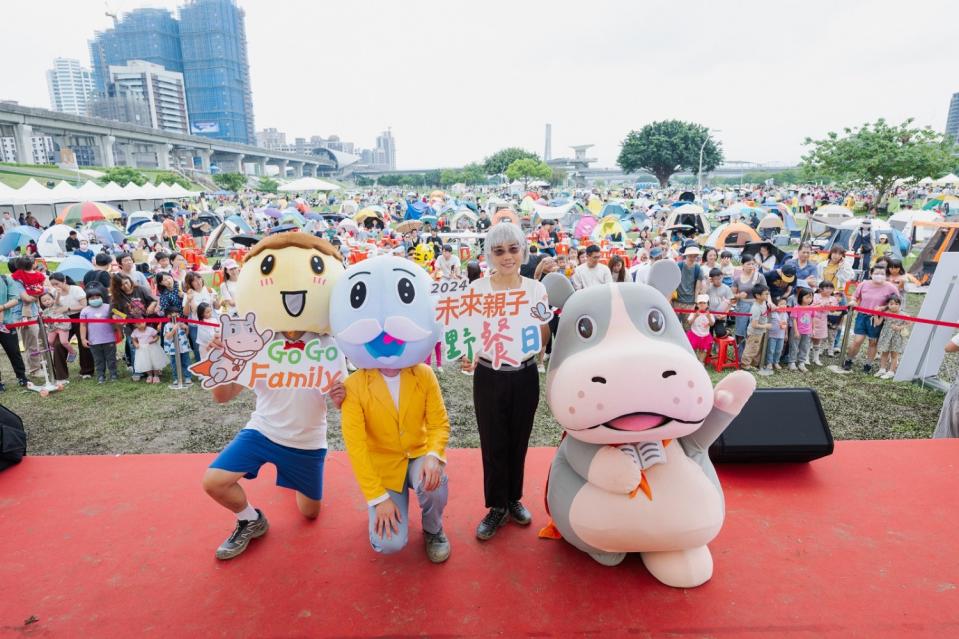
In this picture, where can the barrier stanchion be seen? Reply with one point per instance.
(846, 330)
(178, 385)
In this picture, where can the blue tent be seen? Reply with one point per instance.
(19, 236)
(613, 209)
(75, 267)
(415, 210)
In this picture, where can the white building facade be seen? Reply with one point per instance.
(70, 86)
(163, 91)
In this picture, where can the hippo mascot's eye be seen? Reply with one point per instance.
(316, 263)
(656, 321)
(585, 326)
(406, 290)
(267, 265)
(358, 295)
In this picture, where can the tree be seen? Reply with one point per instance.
(267, 185)
(235, 182)
(473, 174)
(527, 168)
(169, 177)
(497, 163)
(362, 180)
(665, 147)
(559, 177)
(123, 175)
(876, 155)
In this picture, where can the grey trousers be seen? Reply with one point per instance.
(104, 357)
(432, 504)
(948, 425)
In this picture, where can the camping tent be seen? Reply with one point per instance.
(690, 215)
(609, 225)
(903, 221)
(945, 239)
(53, 240)
(735, 235)
(508, 215)
(948, 180)
(464, 218)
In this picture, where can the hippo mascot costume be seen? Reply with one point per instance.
(640, 413)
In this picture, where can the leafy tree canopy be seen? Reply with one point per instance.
(267, 185)
(123, 175)
(497, 163)
(170, 177)
(876, 155)
(527, 168)
(235, 182)
(663, 148)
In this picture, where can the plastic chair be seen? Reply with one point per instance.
(722, 359)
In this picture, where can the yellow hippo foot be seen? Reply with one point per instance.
(680, 568)
(608, 558)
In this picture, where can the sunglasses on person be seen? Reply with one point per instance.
(500, 251)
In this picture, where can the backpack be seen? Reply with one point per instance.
(13, 439)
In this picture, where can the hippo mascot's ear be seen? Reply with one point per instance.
(558, 289)
(382, 313)
(664, 276)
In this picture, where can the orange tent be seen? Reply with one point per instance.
(735, 234)
(507, 214)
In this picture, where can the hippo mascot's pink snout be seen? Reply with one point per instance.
(640, 412)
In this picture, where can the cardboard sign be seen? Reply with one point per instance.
(250, 356)
(504, 325)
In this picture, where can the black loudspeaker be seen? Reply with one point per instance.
(776, 425)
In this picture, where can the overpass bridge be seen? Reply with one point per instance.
(98, 142)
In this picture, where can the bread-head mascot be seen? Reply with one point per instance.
(383, 315)
(639, 412)
(287, 280)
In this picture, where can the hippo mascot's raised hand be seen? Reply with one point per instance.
(640, 413)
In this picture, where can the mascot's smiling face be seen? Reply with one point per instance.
(383, 315)
(287, 280)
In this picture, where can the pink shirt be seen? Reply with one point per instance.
(803, 321)
(872, 295)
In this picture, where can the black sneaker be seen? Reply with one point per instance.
(519, 514)
(23, 381)
(495, 518)
(2, 387)
(867, 368)
(847, 365)
(437, 546)
(245, 531)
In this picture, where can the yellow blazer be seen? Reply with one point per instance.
(381, 441)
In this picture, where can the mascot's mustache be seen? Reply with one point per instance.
(396, 326)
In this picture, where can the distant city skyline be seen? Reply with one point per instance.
(766, 75)
(71, 85)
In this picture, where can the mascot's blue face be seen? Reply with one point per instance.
(382, 313)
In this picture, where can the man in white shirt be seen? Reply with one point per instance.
(592, 273)
(448, 266)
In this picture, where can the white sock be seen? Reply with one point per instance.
(249, 513)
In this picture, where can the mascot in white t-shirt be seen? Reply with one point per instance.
(282, 351)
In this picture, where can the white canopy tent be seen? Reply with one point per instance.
(307, 184)
(948, 180)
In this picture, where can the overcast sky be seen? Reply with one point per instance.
(457, 81)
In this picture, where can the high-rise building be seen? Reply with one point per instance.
(163, 92)
(70, 86)
(952, 121)
(271, 139)
(216, 70)
(126, 107)
(152, 35)
(386, 150)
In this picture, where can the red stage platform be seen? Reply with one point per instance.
(863, 543)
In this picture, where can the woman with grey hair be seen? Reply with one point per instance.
(505, 399)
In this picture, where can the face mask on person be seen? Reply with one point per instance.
(879, 277)
(95, 302)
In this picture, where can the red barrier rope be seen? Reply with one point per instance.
(140, 320)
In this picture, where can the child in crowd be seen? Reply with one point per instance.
(726, 267)
(100, 338)
(758, 325)
(168, 292)
(892, 340)
(825, 296)
(802, 327)
(699, 328)
(205, 334)
(150, 358)
(57, 331)
(720, 300)
(31, 279)
(779, 322)
(177, 333)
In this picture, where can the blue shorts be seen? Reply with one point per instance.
(864, 326)
(296, 468)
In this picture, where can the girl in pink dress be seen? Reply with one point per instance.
(699, 324)
(825, 296)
